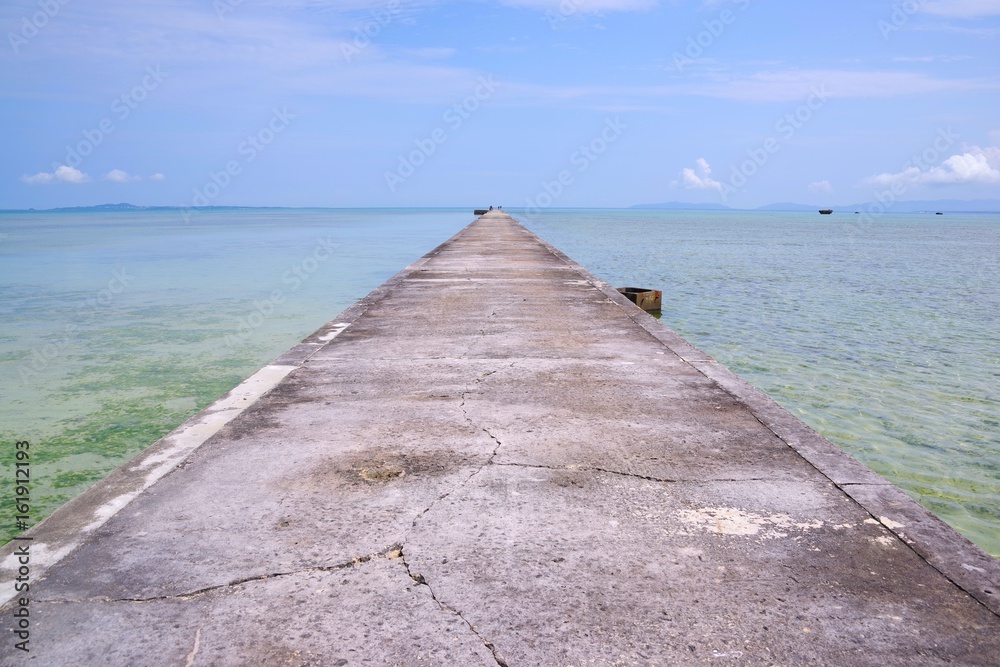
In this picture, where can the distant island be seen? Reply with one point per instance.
(133, 207)
(124, 207)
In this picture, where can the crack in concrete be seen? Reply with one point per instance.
(571, 468)
(390, 553)
(489, 461)
(649, 478)
(872, 484)
(420, 580)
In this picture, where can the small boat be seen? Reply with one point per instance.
(939, 213)
(826, 211)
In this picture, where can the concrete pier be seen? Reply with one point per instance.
(496, 459)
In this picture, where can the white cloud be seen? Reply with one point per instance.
(119, 176)
(821, 187)
(157, 177)
(291, 57)
(62, 174)
(40, 178)
(700, 178)
(975, 165)
(963, 9)
(66, 174)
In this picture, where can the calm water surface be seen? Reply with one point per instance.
(117, 327)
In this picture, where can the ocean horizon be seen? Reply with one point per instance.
(974, 206)
(120, 325)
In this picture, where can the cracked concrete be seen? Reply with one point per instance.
(561, 480)
(393, 552)
(421, 580)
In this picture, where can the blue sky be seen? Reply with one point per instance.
(564, 103)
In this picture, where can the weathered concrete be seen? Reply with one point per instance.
(495, 458)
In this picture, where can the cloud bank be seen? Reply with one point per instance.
(62, 174)
(975, 165)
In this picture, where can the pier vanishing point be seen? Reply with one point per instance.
(496, 459)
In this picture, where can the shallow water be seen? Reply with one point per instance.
(117, 327)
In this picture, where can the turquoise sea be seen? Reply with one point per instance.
(118, 326)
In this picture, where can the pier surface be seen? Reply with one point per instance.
(495, 459)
